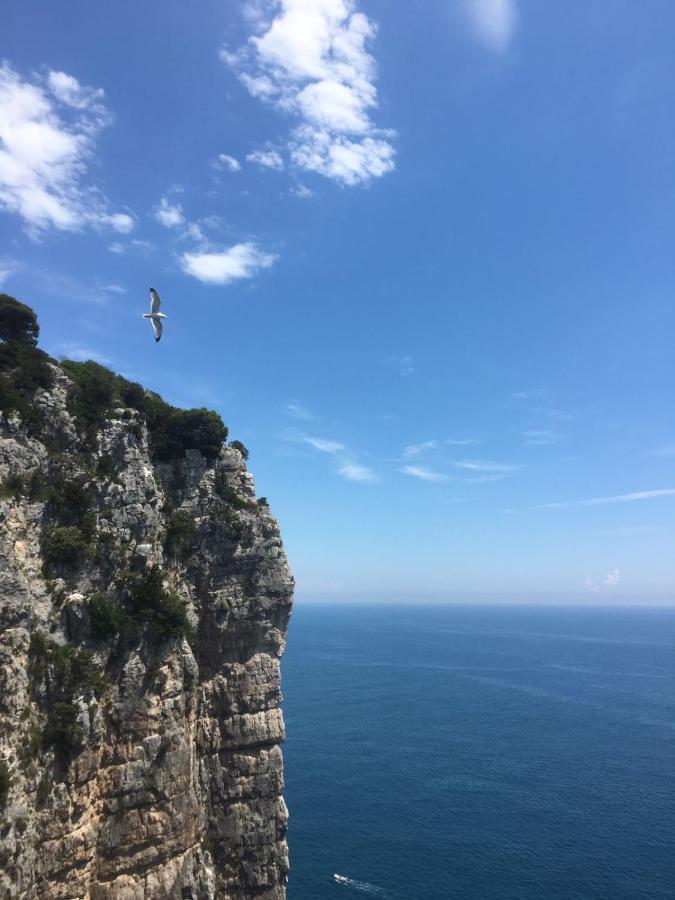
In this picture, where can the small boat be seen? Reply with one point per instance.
(341, 879)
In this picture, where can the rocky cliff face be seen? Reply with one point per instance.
(144, 600)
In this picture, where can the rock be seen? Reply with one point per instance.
(163, 778)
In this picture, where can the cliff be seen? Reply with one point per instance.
(144, 600)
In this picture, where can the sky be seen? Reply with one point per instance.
(419, 257)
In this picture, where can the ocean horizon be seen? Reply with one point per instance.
(480, 751)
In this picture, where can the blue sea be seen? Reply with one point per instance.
(476, 753)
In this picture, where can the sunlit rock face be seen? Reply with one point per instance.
(140, 726)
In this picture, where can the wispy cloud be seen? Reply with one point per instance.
(113, 288)
(8, 267)
(416, 449)
(323, 444)
(353, 471)
(542, 437)
(267, 159)
(493, 22)
(460, 442)
(529, 394)
(348, 466)
(423, 474)
(302, 191)
(560, 415)
(633, 497)
(297, 410)
(48, 131)
(404, 365)
(481, 465)
(169, 214)
(603, 585)
(311, 62)
(225, 161)
(225, 266)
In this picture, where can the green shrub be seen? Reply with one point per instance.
(32, 743)
(63, 731)
(65, 545)
(132, 394)
(237, 445)
(106, 617)
(5, 783)
(23, 370)
(67, 673)
(69, 499)
(12, 487)
(105, 467)
(93, 393)
(37, 486)
(228, 494)
(18, 322)
(180, 531)
(151, 603)
(173, 431)
(37, 654)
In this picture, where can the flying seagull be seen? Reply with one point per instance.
(155, 315)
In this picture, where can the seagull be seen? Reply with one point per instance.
(155, 315)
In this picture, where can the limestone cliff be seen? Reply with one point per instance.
(144, 600)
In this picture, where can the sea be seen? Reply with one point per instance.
(480, 753)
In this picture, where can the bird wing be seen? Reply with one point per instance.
(154, 301)
(157, 328)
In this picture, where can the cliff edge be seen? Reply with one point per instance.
(144, 601)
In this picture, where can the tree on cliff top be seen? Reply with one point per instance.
(18, 322)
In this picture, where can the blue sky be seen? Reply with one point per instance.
(419, 256)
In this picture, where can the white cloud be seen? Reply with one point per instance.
(297, 410)
(302, 191)
(168, 214)
(48, 131)
(324, 445)
(121, 222)
(193, 231)
(540, 437)
(268, 159)
(416, 449)
(353, 471)
(530, 394)
(225, 161)
(113, 288)
(404, 365)
(347, 465)
(604, 585)
(479, 465)
(311, 61)
(8, 267)
(561, 415)
(70, 92)
(460, 442)
(618, 498)
(493, 22)
(423, 473)
(225, 266)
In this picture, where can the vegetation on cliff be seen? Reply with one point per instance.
(95, 392)
(138, 606)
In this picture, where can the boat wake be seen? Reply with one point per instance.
(364, 886)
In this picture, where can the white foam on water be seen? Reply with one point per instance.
(364, 886)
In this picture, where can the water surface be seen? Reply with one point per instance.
(480, 752)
